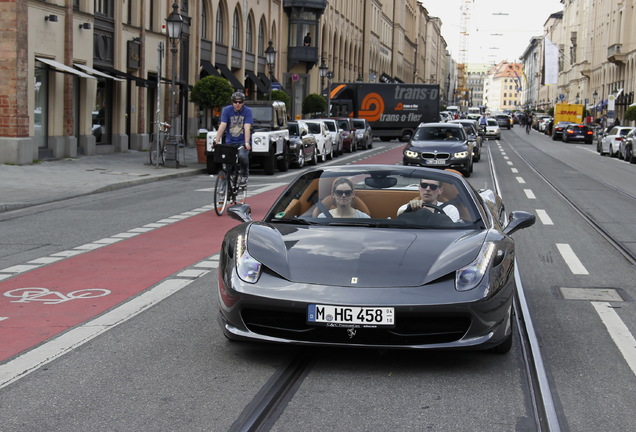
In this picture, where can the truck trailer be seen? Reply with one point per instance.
(394, 110)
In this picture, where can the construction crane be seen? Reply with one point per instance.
(462, 93)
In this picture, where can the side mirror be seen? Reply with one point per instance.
(519, 220)
(240, 212)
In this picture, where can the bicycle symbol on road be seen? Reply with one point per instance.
(47, 296)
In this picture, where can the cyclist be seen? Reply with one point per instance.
(237, 120)
(483, 122)
(528, 123)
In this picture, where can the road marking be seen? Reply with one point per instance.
(514, 170)
(509, 163)
(576, 266)
(66, 342)
(521, 180)
(619, 332)
(543, 217)
(529, 194)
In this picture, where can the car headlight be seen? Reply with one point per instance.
(470, 276)
(247, 268)
(461, 155)
(257, 140)
(410, 153)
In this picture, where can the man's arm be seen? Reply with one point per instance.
(248, 136)
(219, 132)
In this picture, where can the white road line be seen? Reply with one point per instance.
(66, 342)
(619, 332)
(509, 163)
(529, 194)
(514, 170)
(576, 266)
(521, 180)
(543, 217)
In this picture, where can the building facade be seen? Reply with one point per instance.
(102, 73)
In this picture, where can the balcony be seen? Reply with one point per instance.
(614, 54)
(305, 54)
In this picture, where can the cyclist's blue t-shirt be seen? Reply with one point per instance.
(236, 120)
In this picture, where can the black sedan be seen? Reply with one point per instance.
(557, 130)
(302, 144)
(390, 280)
(440, 145)
(578, 132)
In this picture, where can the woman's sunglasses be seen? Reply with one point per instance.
(340, 193)
(429, 185)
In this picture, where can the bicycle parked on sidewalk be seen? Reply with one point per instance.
(158, 144)
(226, 188)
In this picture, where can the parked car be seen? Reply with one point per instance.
(348, 133)
(611, 142)
(433, 283)
(542, 124)
(440, 145)
(627, 146)
(557, 129)
(578, 132)
(319, 130)
(302, 144)
(364, 133)
(470, 127)
(503, 120)
(336, 136)
(492, 129)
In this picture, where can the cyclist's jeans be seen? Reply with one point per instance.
(244, 160)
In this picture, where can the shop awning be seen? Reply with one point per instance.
(264, 79)
(139, 81)
(227, 73)
(60, 67)
(95, 72)
(209, 68)
(259, 84)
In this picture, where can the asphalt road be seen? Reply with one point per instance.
(160, 362)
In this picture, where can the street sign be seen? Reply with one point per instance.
(295, 77)
(276, 86)
(561, 96)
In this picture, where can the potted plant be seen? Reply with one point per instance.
(209, 93)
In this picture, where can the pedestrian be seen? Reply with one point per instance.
(237, 120)
(307, 40)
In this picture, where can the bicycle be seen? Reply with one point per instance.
(528, 128)
(158, 146)
(226, 188)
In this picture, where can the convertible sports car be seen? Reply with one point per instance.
(410, 280)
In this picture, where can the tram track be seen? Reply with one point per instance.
(545, 414)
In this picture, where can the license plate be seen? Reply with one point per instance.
(350, 316)
(435, 161)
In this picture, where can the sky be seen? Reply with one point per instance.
(498, 30)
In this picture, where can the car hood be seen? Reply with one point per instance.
(363, 257)
(449, 146)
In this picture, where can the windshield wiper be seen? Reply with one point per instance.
(296, 221)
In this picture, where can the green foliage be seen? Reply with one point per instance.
(630, 114)
(211, 92)
(551, 111)
(314, 103)
(280, 95)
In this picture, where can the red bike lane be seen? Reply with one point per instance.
(125, 269)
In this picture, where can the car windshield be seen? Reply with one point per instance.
(313, 128)
(331, 126)
(293, 128)
(437, 133)
(359, 124)
(262, 114)
(492, 122)
(378, 197)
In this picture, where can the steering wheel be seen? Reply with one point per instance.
(436, 208)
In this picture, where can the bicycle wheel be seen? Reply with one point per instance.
(221, 189)
(156, 152)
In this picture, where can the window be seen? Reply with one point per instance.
(104, 7)
(249, 43)
(261, 39)
(236, 30)
(204, 20)
(219, 25)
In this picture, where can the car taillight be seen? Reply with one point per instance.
(619, 138)
(589, 132)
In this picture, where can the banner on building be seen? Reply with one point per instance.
(551, 62)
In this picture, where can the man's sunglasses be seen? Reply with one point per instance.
(429, 185)
(237, 101)
(339, 192)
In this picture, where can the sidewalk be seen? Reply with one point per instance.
(49, 181)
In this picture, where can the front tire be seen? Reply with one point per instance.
(221, 189)
(283, 163)
(269, 163)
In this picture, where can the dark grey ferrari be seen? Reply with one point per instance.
(437, 274)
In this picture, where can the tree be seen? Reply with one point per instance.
(211, 92)
(630, 114)
(314, 103)
(280, 95)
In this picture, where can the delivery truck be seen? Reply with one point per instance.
(394, 110)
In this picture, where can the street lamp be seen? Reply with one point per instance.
(323, 74)
(270, 55)
(329, 78)
(174, 22)
(594, 96)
